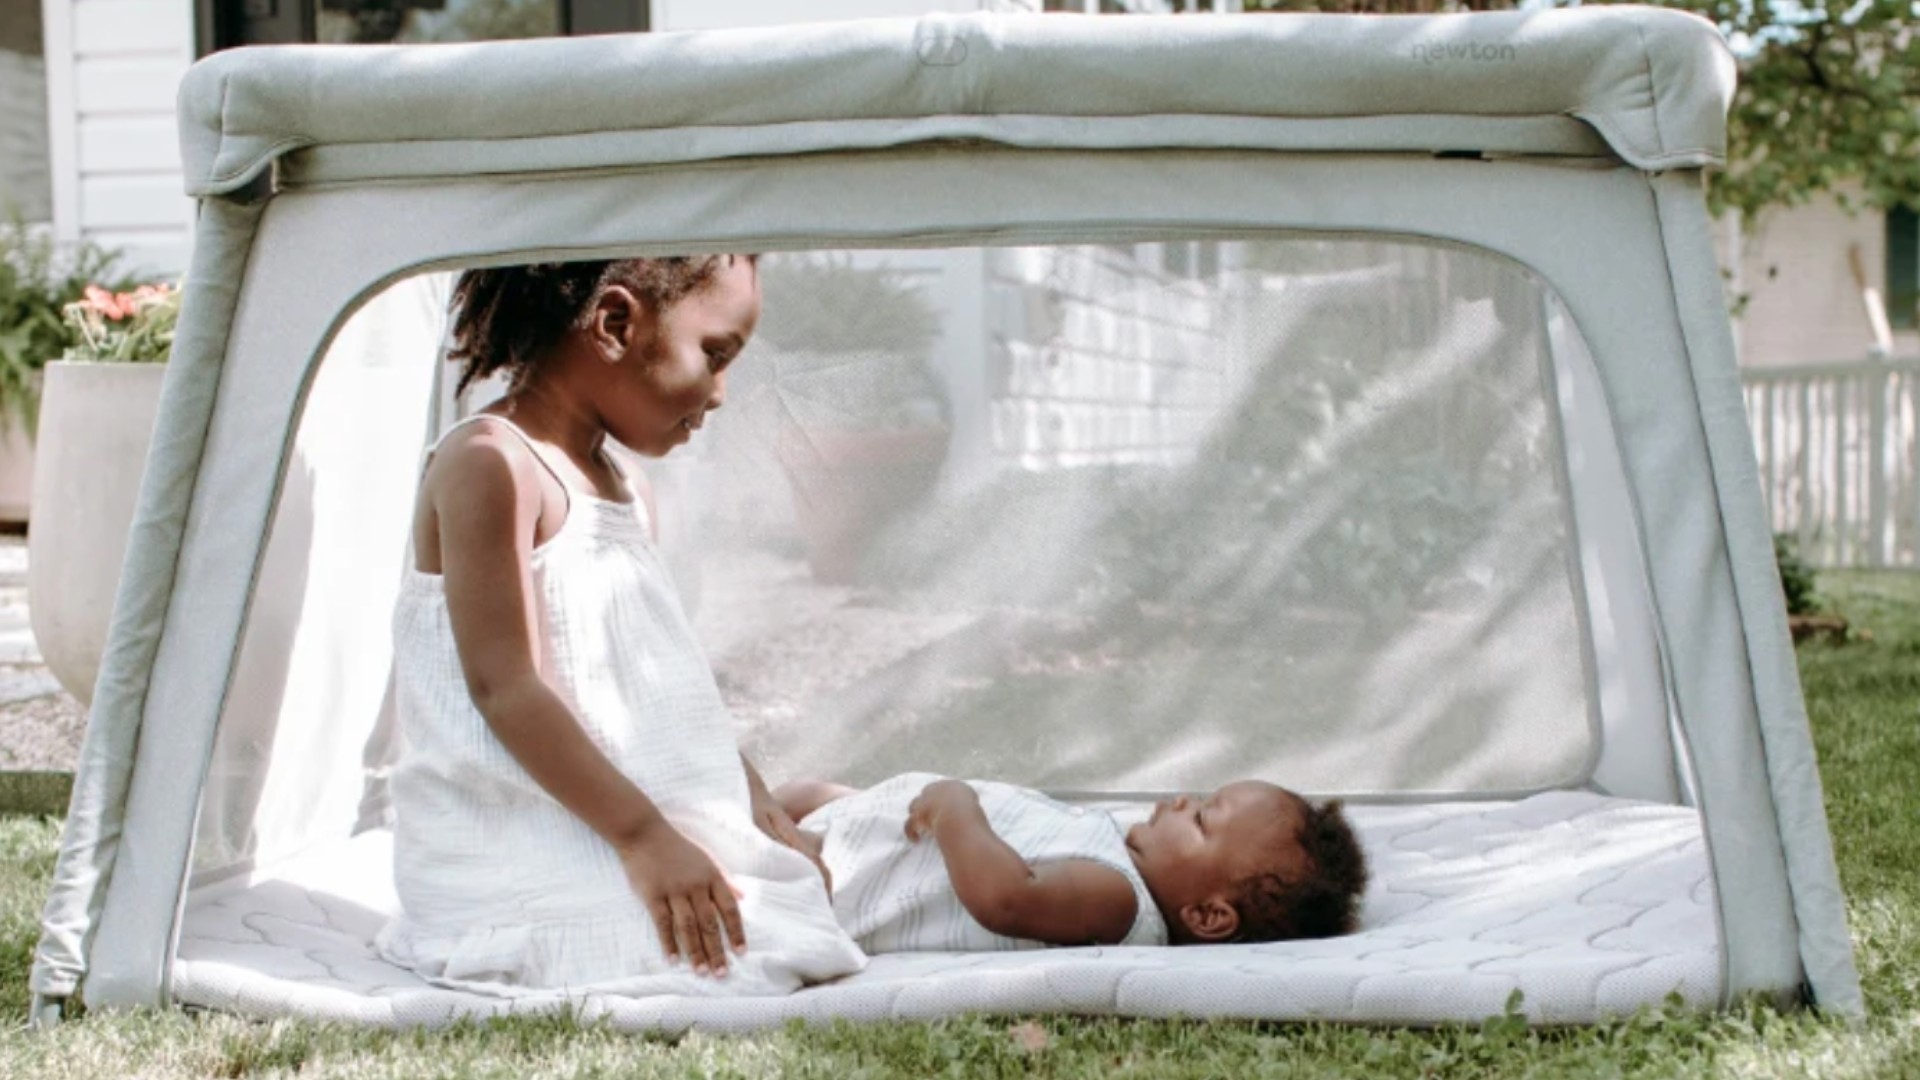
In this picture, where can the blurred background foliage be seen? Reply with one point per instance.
(1829, 93)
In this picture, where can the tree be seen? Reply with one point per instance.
(1829, 93)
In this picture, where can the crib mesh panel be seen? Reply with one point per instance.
(1117, 517)
(1143, 516)
(306, 737)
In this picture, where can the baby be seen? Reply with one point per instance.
(925, 863)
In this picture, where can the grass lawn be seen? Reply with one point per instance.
(1865, 702)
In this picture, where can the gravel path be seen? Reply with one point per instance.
(40, 724)
(825, 638)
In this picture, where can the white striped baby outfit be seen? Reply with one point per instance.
(893, 894)
(504, 890)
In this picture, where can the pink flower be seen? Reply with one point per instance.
(105, 303)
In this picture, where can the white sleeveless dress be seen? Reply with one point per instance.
(894, 895)
(504, 890)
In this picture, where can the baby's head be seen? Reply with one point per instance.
(1250, 862)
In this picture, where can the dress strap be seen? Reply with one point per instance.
(519, 432)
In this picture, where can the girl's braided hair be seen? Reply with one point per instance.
(510, 316)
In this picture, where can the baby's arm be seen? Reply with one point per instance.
(1068, 902)
(771, 814)
(802, 797)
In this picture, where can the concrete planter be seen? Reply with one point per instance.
(16, 459)
(95, 423)
(849, 485)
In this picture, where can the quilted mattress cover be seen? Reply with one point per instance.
(1589, 906)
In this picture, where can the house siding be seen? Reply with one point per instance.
(23, 136)
(114, 69)
(1802, 301)
(1099, 359)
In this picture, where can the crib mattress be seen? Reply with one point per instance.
(1589, 906)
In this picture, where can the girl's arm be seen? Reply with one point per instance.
(1069, 902)
(487, 502)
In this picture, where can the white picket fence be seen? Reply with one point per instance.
(1839, 452)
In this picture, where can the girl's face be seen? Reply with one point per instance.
(675, 371)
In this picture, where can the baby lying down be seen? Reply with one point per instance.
(922, 863)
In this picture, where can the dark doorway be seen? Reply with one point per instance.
(222, 24)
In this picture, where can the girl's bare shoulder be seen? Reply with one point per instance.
(482, 467)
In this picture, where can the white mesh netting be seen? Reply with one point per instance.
(1145, 516)
(1119, 517)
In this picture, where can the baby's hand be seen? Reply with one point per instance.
(775, 823)
(688, 895)
(937, 798)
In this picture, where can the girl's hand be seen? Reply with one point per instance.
(689, 897)
(937, 798)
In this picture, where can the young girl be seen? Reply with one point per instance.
(571, 811)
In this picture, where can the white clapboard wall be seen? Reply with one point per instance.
(1102, 356)
(23, 136)
(113, 69)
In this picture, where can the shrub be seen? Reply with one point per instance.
(39, 277)
(1796, 577)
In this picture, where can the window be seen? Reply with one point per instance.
(1190, 259)
(1903, 267)
(1142, 7)
(1176, 258)
(411, 21)
(225, 23)
(26, 188)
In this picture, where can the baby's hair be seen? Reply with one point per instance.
(1320, 901)
(509, 316)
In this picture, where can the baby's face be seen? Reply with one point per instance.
(1194, 847)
